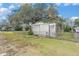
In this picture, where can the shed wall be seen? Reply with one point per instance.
(44, 29)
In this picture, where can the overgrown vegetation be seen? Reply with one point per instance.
(20, 41)
(29, 14)
(24, 44)
(77, 22)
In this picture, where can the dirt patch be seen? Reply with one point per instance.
(28, 51)
(2, 39)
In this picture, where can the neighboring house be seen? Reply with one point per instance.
(44, 29)
(70, 23)
(77, 29)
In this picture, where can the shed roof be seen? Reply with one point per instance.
(39, 23)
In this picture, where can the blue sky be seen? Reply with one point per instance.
(68, 10)
(64, 9)
(6, 9)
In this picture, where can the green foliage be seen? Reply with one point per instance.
(32, 13)
(77, 22)
(30, 33)
(18, 28)
(67, 28)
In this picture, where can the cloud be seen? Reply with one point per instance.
(11, 6)
(14, 5)
(74, 17)
(60, 15)
(18, 4)
(66, 4)
(1, 4)
(58, 4)
(3, 17)
(4, 12)
(74, 4)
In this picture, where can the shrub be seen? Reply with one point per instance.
(18, 28)
(30, 31)
(67, 28)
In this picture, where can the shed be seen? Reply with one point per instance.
(44, 29)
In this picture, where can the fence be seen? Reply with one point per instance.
(51, 30)
(76, 34)
(44, 29)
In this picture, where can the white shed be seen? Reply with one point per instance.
(44, 29)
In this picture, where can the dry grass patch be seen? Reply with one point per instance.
(20, 43)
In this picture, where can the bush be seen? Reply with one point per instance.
(18, 28)
(30, 31)
(67, 28)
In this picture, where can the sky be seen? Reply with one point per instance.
(68, 10)
(6, 9)
(65, 10)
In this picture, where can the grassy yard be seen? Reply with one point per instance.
(68, 36)
(20, 43)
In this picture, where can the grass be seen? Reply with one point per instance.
(68, 36)
(23, 44)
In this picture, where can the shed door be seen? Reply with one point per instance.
(52, 30)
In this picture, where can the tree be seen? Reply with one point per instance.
(77, 22)
(21, 16)
(32, 13)
(67, 28)
(39, 12)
